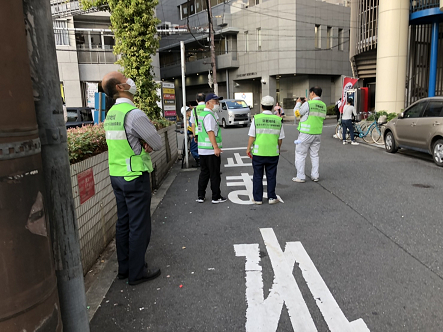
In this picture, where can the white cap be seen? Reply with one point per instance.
(267, 101)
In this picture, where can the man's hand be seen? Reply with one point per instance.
(147, 148)
(299, 100)
(217, 151)
(196, 139)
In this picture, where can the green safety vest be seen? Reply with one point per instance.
(197, 111)
(122, 159)
(203, 138)
(314, 123)
(267, 133)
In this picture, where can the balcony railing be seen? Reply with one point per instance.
(96, 55)
(417, 5)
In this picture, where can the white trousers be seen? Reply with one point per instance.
(309, 143)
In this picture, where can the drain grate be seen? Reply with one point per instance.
(419, 185)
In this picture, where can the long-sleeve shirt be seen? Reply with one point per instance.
(348, 110)
(137, 127)
(304, 109)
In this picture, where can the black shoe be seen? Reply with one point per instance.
(122, 276)
(151, 274)
(220, 200)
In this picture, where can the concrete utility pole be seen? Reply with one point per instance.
(29, 296)
(211, 37)
(52, 132)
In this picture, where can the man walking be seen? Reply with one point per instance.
(130, 137)
(209, 150)
(266, 133)
(312, 115)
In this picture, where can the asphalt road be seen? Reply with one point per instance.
(362, 245)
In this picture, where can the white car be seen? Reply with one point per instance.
(234, 112)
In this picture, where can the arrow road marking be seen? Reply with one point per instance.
(263, 315)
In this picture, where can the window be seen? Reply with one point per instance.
(329, 42)
(61, 33)
(257, 2)
(317, 36)
(340, 39)
(434, 109)
(414, 111)
(246, 42)
(259, 39)
(184, 11)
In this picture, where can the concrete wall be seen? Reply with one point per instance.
(97, 216)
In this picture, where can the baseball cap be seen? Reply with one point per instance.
(267, 101)
(211, 96)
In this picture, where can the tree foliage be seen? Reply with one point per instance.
(134, 25)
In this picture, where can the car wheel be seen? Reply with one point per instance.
(437, 152)
(224, 123)
(390, 144)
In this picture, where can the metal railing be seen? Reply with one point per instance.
(417, 5)
(96, 55)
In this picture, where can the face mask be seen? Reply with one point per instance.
(133, 89)
(216, 108)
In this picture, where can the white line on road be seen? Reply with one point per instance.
(228, 149)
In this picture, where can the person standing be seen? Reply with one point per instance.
(130, 137)
(337, 113)
(265, 135)
(209, 150)
(278, 110)
(200, 99)
(312, 114)
(346, 121)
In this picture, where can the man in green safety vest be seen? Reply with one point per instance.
(200, 99)
(209, 150)
(265, 138)
(130, 137)
(312, 115)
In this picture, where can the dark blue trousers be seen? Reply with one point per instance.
(269, 164)
(133, 229)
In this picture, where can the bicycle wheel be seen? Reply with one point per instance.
(377, 135)
(338, 130)
(368, 137)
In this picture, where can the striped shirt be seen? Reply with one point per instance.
(137, 127)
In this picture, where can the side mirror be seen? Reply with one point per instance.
(401, 115)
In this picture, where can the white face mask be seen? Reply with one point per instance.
(133, 89)
(216, 108)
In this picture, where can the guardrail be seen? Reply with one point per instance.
(418, 5)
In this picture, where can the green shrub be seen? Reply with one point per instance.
(390, 116)
(87, 141)
(330, 110)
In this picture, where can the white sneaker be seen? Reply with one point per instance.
(257, 202)
(344, 142)
(355, 143)
(298, 180)
(315, 179)
(273, 201)
(334, 136)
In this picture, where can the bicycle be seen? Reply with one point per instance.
(364, 130)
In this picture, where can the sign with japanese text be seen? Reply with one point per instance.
(86, 185)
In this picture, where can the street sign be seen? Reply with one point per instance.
(86, 185)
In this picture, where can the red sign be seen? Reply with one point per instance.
(170, 113)
(169, 96)
(348, 83)
(86, 185)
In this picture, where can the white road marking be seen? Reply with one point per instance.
(238, 161)
(246, 181)
(263, 315)
(229, 149)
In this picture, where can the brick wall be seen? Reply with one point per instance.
(97, 216)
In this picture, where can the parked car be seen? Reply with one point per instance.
(234, 112)
(79, 116)
(419, 127)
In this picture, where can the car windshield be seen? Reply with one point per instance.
(236, 104)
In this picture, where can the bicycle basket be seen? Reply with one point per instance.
(382, 119)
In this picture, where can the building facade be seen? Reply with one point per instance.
(275, 47)
(394, 50)
(84, 44)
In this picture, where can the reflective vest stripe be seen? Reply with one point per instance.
(208, 144)
(321, 115)
(267, 131)
(116, 135)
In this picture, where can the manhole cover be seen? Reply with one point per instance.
(419, 185)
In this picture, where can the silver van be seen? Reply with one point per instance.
(234, 112)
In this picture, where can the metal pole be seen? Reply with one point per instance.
(434, 60)
(211, 37)
(29, 296)
(185, 125)
(99, 107)
(52, 132)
